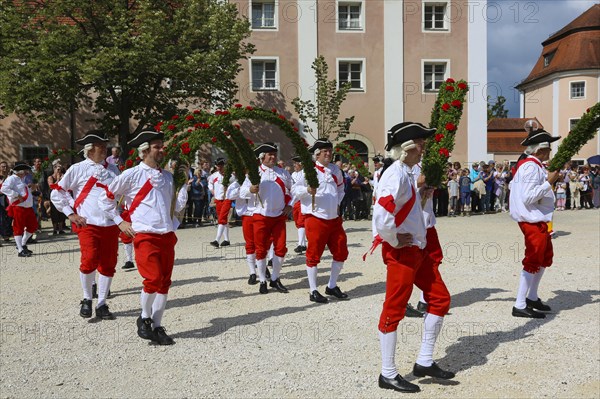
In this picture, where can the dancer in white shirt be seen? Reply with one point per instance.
(323, 223)
(399, 224)
(148, 192)
(20, 207)
(298, 216)
(532, 206)
(272, 204)
(98, 235)
(224, 196)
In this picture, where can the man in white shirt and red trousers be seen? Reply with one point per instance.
(297, 215)
(272, 204)
(323, 223)
(20, 207)
(532, 206)
(98, 235)
(399, 223)
(148, 192)
(223, 200)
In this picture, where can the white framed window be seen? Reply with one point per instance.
(264, 73)
(352, 71)
(572, 123)
(578, 90)
(350, 16)
(435, 16)
(263, 14)
(434, 73)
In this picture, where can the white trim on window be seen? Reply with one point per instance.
(275, 4)
(571, 90)
(264, 60)
(434, 62)
(363, 68)
(361, 19)
(570, 127)
(446, 19)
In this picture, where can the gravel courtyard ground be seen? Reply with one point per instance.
(232, 342)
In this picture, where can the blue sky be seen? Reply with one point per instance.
(516, 30)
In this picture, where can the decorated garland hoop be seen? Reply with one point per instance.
(445, 117)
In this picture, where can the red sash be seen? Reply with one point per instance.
(139, 197)
(388, 204)
(522, 161)
(322, 170)
(9, 209)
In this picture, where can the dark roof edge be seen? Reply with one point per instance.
(553, 39)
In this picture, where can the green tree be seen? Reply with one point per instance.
(127, 59)
(325, 110)
(496, 110)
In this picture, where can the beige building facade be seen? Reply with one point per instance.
(394, 53)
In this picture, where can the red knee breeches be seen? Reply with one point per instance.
(99, 249)
(248, 232)
(155, 256)
(299, 218)
(428, 277)
(23, 218)
(266, 230)
(321, 232)
(538, 246)
(402, 266)
(223, 207)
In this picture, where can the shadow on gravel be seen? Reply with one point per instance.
(221, 325)
(136, 290)
(562, 233)
(192, 300)
(474, 295)
(473, 350)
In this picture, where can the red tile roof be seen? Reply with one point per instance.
(575, 47)
(504, 135)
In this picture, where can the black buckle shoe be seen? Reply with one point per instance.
(86, 308)
(145, 328)
(422, 307)
(225, 244)
(24, 254)
(103, 313)
(527, 312)
(298, 249)
(128, 265)
(26, 250)
(336, 292)
(432, 371)
(537, 305)
(263, 287)
(268, 273)
(161, 337)
(278, 286)
(316, 296)
(412, 312)
(214, 243)
(252, 279)
(397, 384)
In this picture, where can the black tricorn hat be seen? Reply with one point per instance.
(93, 136)
(378, 158)
(296, 158)
(320, 143)
(220, 161)
(21, 165)
(145, 136)
(538, 136)
(265, 147)
(405, 131)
